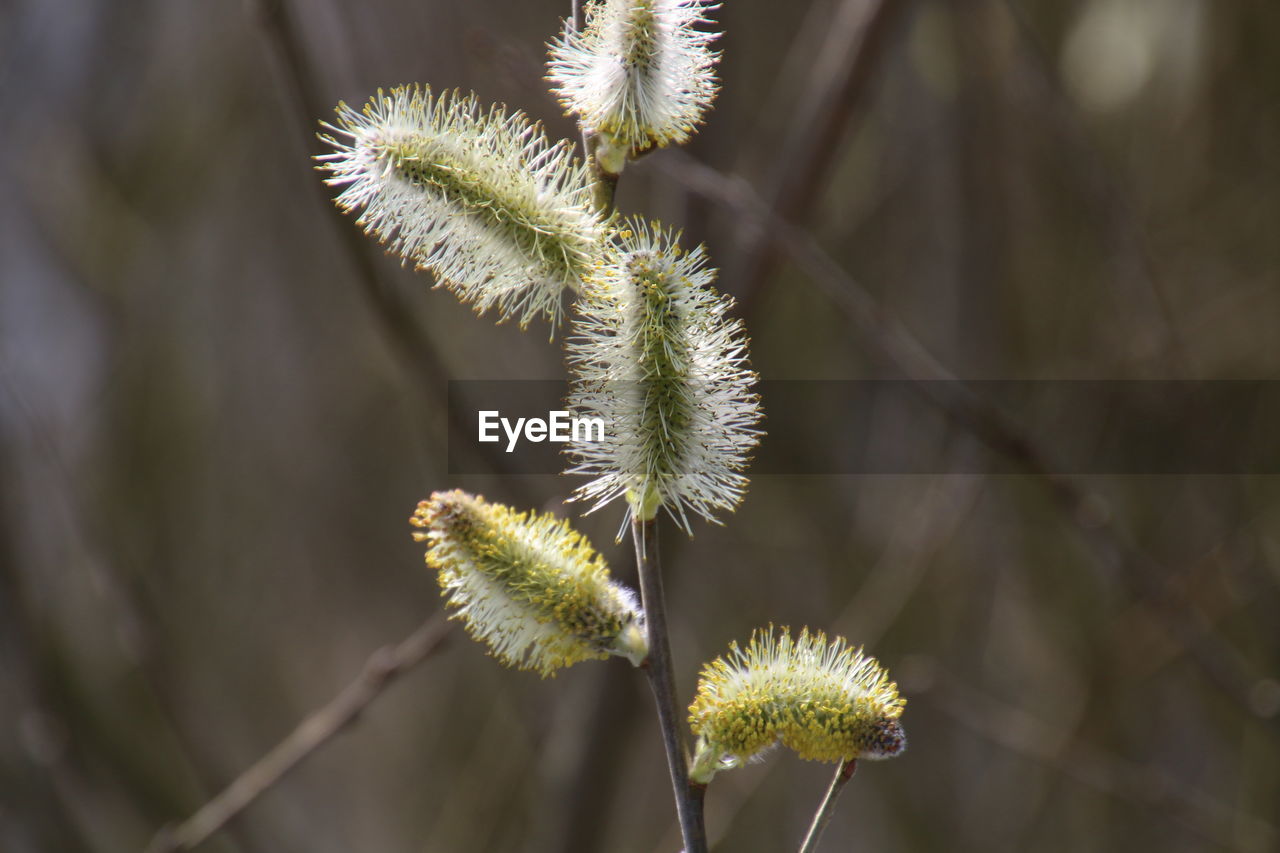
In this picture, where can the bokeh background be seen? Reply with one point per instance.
(219, 404)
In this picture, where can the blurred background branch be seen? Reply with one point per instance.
(888, 339)
(383, 667)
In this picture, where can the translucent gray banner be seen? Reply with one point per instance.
(904, 427)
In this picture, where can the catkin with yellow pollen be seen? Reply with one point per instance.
(825, 700)
(527, 585)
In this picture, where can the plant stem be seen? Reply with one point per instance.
(820, 820)
(657, 667)
(606, 183)
(662, 681)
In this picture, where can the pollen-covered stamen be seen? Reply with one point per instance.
(639, 35)
(826, 701)
(527, 585)
(485, 201)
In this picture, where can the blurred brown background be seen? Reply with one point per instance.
(219, 404)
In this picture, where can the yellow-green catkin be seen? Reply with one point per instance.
(825, 700)
(527, 585)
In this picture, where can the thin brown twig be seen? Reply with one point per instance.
(382, 668)
(828, 807)
(887, 338)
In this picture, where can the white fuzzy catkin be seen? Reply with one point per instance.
(655, 357)
(640, 74)
(481, 198)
